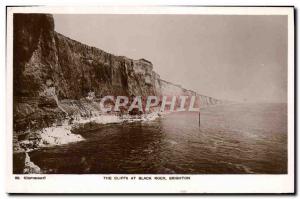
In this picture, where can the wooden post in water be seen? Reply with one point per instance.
(199, 119)
(199, 112)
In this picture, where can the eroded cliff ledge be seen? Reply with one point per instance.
(53, 73)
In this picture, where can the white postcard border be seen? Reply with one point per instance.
(247, 183)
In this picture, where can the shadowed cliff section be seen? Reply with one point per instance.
(51, 69)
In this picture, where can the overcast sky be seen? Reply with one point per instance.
(228, 57)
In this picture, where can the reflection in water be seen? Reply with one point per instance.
(232, 139)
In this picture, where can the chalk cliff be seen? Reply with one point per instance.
(53, 75)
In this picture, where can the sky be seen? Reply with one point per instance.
(239, 58)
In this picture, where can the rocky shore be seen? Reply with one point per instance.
(65, 134)
(71, 132)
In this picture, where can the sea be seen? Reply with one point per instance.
(228, 139)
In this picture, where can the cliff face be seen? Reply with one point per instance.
(50, 68)
(44, 58)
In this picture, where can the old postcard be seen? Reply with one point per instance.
(150, 99)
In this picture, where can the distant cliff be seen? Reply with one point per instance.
(50, 70)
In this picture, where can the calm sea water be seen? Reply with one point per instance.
(232, 139)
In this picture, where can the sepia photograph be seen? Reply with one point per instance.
(153, 94)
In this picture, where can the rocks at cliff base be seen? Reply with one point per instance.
(30, 167)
